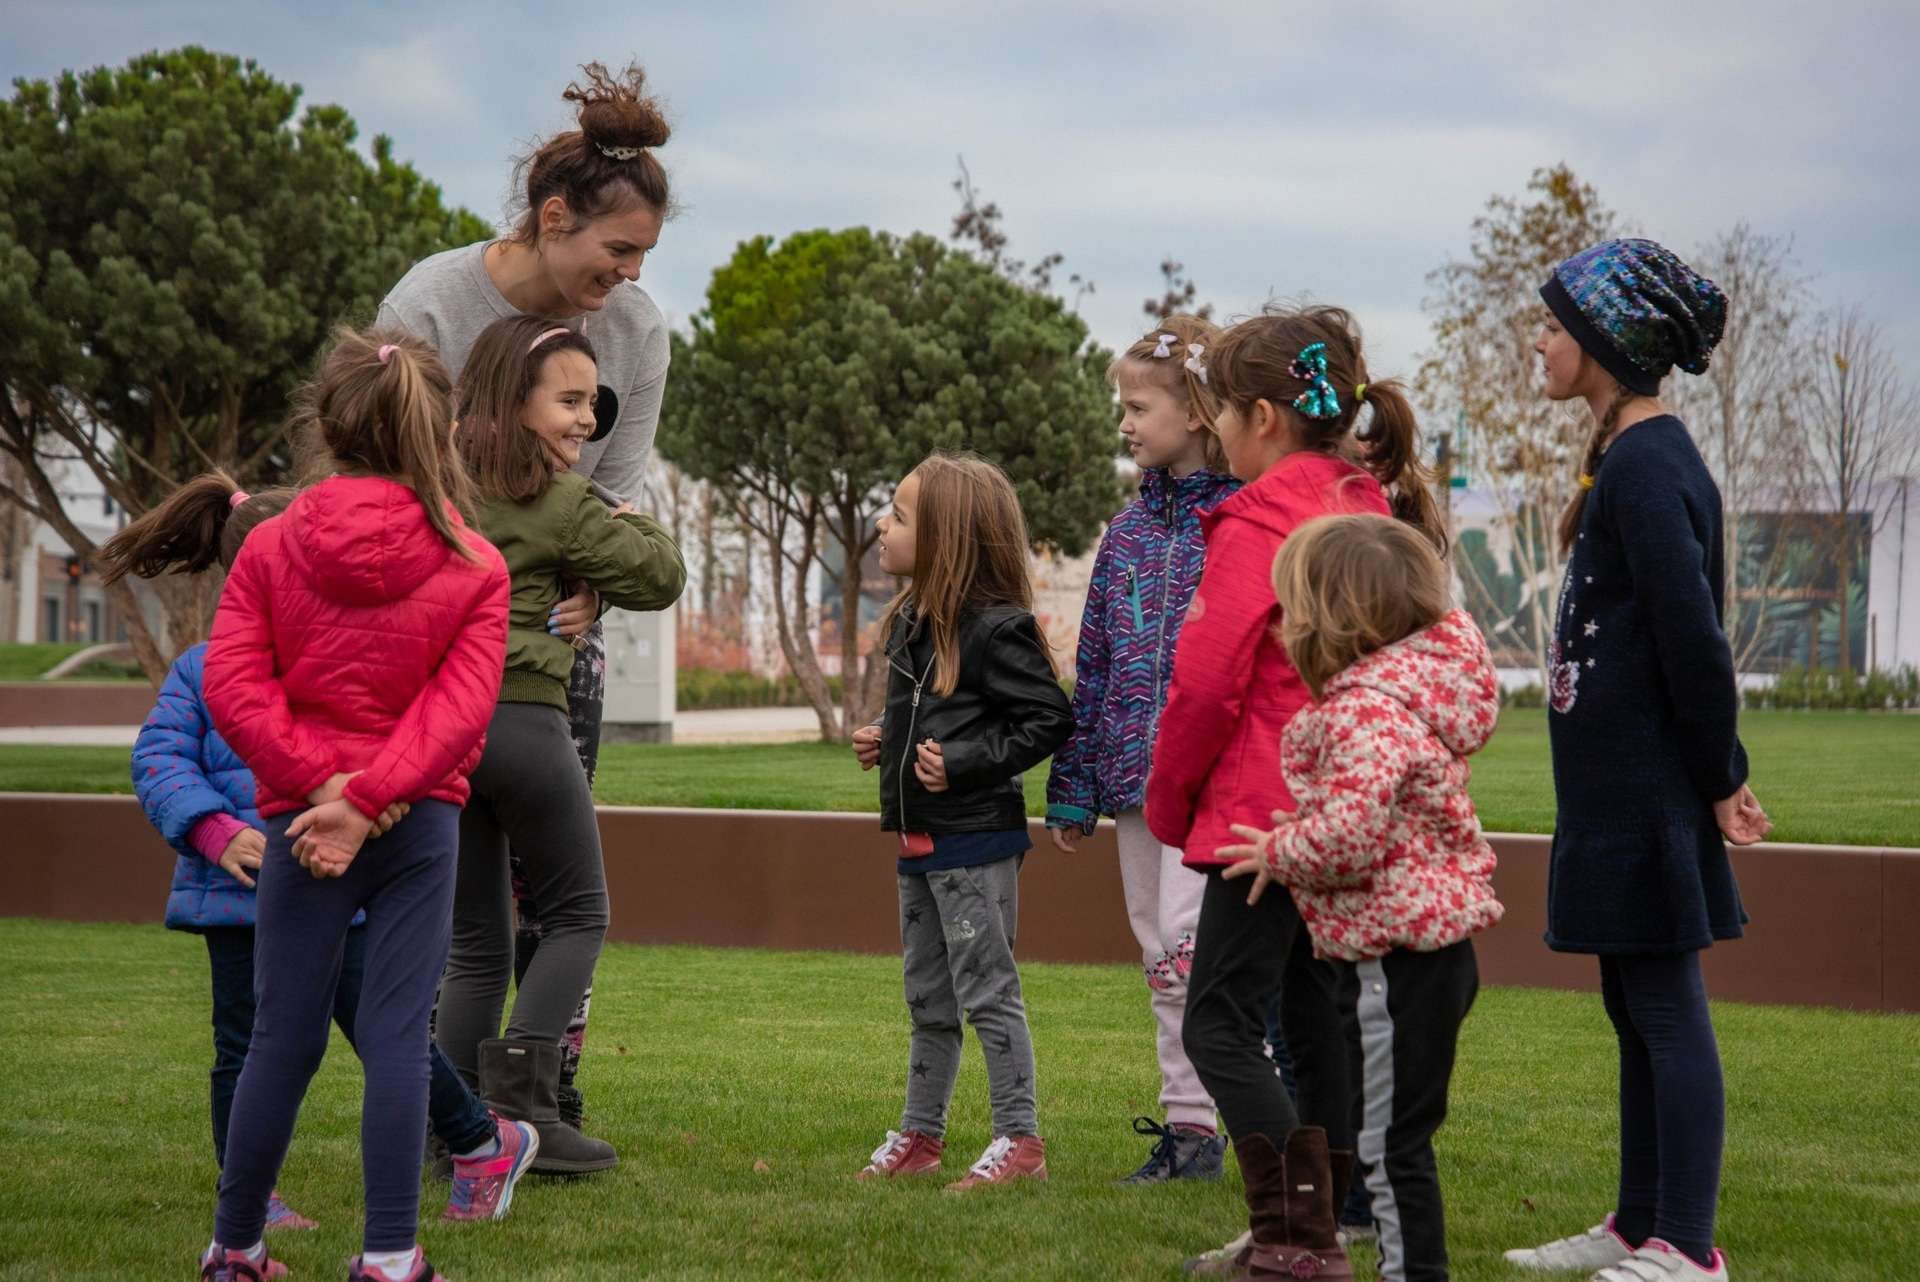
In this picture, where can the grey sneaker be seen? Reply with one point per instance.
(1597, 1248)
(1178, 1154)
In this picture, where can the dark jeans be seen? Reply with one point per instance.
(1242, 957)
(404, 883)
(1401, 1016)
(455, 1115)
(1673, 1108)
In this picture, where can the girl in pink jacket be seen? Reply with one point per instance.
(1384, 854)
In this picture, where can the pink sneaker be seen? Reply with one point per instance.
(282, 1216)
(483, 1186)
(222, 1265)
(422, 1271)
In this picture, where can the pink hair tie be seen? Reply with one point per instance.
(386, 352)
(239, 497)
(552, 333)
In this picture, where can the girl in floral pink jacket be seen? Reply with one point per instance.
(1384, 854)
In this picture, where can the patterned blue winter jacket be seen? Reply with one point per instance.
(1144, 576)
(184, 771)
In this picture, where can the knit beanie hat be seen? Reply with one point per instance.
(1638, 310)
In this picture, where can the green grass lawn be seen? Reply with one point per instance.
(744, 1088)
(1844, 778)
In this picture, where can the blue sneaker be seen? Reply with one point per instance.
(1178, 1154)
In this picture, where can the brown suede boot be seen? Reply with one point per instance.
(1290, 1209)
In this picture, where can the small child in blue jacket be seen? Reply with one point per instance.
(199, 795)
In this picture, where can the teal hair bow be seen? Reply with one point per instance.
(1319, 400)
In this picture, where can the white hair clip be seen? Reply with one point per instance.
(1193, 362)
(1164, 350)
(619, 153)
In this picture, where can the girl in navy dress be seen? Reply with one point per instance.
(1649, 774)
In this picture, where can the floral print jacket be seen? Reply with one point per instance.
(1385, 850)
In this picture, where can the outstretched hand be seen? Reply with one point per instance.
(327, 837)
(1252, 856)
(1742, 821)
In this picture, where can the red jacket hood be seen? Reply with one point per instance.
(1442, 674)
(364, 540)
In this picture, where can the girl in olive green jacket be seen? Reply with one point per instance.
(527, 405)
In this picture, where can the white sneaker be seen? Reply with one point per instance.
(1597, 1248)
(1220, 1261)
(1657, 1261)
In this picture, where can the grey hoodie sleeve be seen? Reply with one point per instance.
(630, 444)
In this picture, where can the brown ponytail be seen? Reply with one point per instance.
(196, 525)
(1590, 466)
(1391, 445)
(608, 163)
(391, 417)
(1253, 361)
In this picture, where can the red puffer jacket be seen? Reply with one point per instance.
(1385, 850)
(1216, 762)
(349, 638)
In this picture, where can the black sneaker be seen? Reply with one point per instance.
(1178, 1154)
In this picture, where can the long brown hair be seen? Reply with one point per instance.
(1597, 440)
(1253, 361)
(608, 163)
(506, 458)
(1165, 365)
(198, 524)
(1349, 585)
(970, 551)
(382, 404)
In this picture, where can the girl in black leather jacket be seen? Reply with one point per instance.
(972, 703)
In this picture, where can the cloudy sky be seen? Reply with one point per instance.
(1333, 150)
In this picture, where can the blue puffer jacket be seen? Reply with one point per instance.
(184, 771)
(1144, 576)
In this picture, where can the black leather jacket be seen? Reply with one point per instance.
(1006, 715)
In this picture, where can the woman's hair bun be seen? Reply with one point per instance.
(615, 109)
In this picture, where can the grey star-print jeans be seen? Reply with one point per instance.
(957, 928)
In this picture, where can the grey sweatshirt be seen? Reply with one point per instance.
(449, 298)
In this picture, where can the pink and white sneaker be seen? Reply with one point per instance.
(222, 1265)
(483, 1186)
(422, 1271)
(282, 1216)
(1659, 1261)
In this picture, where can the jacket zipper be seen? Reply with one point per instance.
(913, 717)
(1160, 628)
(1133, 595)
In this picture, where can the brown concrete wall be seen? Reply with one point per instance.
(1827, 930)
(74, 703)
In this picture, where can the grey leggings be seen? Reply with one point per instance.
(530, 794)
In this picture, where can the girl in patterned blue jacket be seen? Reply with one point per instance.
(1143, 580)
(199, 795)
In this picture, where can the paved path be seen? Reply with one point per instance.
(727, 725)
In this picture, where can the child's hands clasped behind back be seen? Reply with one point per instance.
(866, 746)
(327, 837)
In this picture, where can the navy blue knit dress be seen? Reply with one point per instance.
(1643, 709)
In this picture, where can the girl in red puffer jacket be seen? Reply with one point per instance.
(1383, 852)
(354, 662)
(1312, 433)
